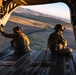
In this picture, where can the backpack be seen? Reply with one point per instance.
(23, 40)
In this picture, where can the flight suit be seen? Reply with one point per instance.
(20, 41)
(57, 43)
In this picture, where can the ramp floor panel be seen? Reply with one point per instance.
(32, 63)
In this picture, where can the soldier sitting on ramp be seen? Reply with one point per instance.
(20, 41)
(57, 43)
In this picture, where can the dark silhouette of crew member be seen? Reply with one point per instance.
(20, 41)
(56, 42)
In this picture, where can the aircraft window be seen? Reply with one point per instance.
(38, 22)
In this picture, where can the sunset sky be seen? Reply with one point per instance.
(56, 9)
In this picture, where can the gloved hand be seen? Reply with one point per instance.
(27, 48)
(1, 30)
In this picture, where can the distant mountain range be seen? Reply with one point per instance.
(36, 13)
